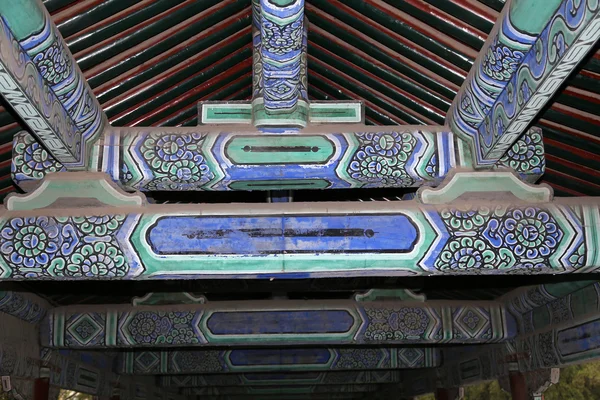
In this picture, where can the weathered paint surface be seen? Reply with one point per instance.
(518, 70)
(152, 362)
(277, 390)
(525, 234)
(282, 378)
(41, 80)
(307, 322)
(190, 159)
(22, 306)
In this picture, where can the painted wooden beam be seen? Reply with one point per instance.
(554, 335)
(268, 391)
(25, 306)
(42, 82)
(262, 360)
(542, 306)
(266, 324)
(118, 237)
(296, 396)
(523, 300)
(181, 159)
(283, 379)
(531, 51)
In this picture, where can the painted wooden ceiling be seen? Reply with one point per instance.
(150, 61)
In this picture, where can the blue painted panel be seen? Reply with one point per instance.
(579, 338)
(282, 376)
(243, 357)
(280, 322)
(274, 235)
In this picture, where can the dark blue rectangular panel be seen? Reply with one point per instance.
(280, 322)
(274, 235)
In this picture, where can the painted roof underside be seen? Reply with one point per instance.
(150, 62)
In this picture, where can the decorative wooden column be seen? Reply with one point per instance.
(442, 394)
(518, 386)
(530, 385)
(449, 394)
(41, 386)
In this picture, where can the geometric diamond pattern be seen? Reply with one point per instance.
(410, 357)
(147, 362)
(471, 322)
(85, 329)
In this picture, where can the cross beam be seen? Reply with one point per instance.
(551, 334)
(177, 159)
(283, 379)
(387, 158)
(41, 80)
(437, 235)
(264, 324)
(163, 362)
(532, 49)
(278, 390)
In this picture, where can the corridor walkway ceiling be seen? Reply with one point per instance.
(150, 61)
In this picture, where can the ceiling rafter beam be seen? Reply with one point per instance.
(365, 377)
(532, 49)
(42, 82)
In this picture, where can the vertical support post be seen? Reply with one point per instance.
(531, 50)
(116, 393)
(41, 80)
(518, 386)
(41, 386)
(442, 394)
(279, 71)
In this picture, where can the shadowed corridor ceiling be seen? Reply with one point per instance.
(150, 61)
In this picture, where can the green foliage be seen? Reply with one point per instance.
(577, 382)
(72, 395)
(486, 391)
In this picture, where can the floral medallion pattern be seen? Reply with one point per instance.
(358, 358)
(411, 324)
(282, 39)
(381, 159)
(68, 247)
(154, 328)
(176, 161)
(30, 160)
(492, 239)
(208, 361)
(526, 156)
(501, 61)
